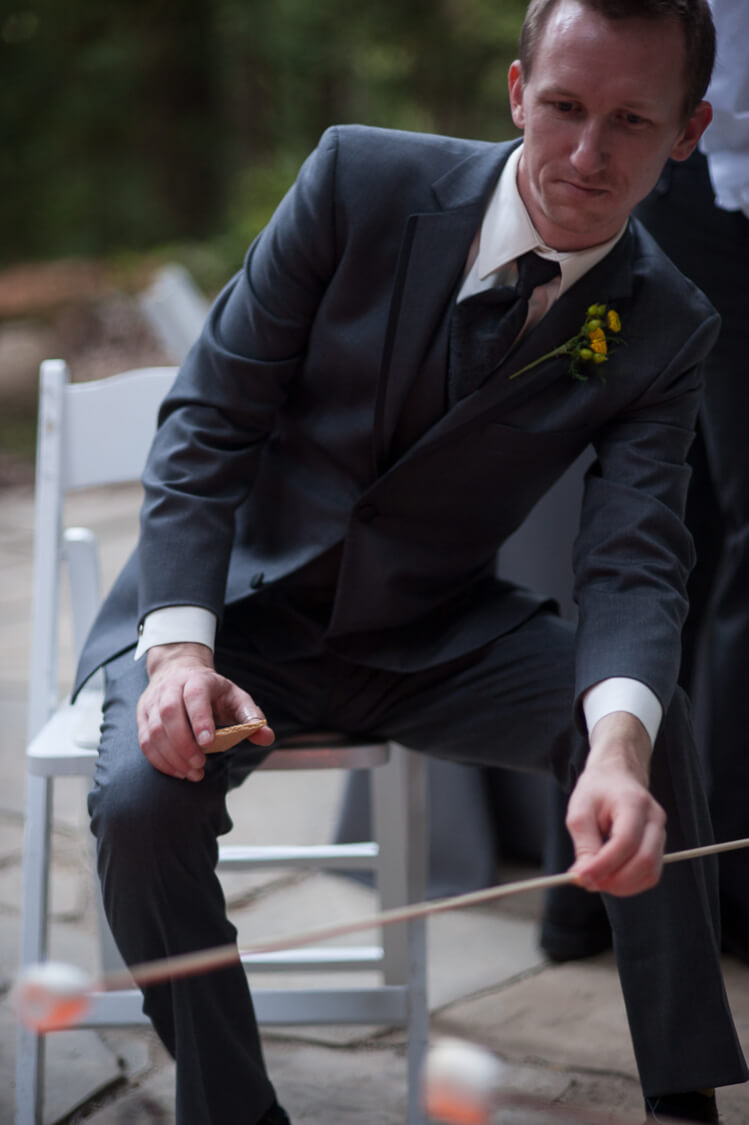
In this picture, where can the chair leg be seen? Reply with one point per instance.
(399, 815)
(417, 812)
(34, 916)
(397, 810)
(29, 1077)
(418, 1020)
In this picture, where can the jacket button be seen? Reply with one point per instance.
(368, 512)
(257, 580)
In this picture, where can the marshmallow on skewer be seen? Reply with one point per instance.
(460, 1082)
(51, 996)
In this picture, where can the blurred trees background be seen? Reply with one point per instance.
(130, 124)
(134, 133)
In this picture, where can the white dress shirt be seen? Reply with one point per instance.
(506, 232)
(726, 140)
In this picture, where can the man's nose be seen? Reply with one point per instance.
(589, 153)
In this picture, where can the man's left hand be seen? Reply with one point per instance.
(618, 829)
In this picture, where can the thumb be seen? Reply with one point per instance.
(246, 710)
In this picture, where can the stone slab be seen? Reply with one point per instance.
(68, 892)
(318, 1085)
(11, 837)
(571, 1018)
(563, 1015)
(79, 1065)
(470, 951)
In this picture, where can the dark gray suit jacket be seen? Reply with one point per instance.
(276, 442)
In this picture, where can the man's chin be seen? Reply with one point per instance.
(579, 227)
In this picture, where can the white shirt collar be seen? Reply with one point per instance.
(507, 232)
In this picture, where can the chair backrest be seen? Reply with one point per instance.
(89, 434)
(175, 309)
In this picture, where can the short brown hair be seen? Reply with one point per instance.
(694, 17)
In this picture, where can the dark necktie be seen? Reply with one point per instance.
(484, 327)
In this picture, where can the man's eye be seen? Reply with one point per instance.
(564, 107)
(634, 119)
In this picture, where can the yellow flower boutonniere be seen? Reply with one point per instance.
(589, 348)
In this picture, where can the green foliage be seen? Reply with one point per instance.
(134, 123)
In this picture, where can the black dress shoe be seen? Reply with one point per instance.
(275, 1116)
(692, 1106)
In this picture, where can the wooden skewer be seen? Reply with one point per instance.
(190, 964)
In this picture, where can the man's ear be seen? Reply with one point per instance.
(515, 86)
(692, 131)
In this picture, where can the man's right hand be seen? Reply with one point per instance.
(185, 699)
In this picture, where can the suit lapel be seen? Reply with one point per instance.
(433, 257)
(610, 281)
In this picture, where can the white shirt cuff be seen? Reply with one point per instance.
(175, 624)
(619, 693)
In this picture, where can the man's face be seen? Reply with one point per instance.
(601, 112)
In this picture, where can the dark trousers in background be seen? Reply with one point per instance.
(509, 705)
(711, 246)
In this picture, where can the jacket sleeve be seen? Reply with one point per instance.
(217, 418)
(633, 553)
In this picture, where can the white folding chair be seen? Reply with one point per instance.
(98, 433)
(175, 309)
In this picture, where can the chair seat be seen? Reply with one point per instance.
(65, 746)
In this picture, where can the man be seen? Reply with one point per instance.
(334, 471)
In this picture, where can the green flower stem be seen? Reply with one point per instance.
(561, 350)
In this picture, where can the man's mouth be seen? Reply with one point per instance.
(587, 190)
